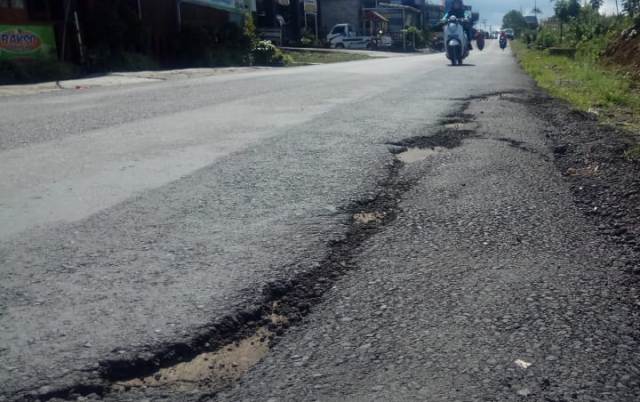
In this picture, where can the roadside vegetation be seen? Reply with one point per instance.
(306, 57)
(34, 71)
(588, 59)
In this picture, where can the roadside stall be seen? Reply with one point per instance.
(398, 18)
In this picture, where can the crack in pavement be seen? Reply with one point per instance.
(289, 299)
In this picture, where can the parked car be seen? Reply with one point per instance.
(343, 36)
(510, 34)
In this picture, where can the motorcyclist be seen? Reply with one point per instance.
(456, 8)
(503, 40)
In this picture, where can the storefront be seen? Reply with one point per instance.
(281, 20)
(398, 18)
(374, 23)
(31, 29)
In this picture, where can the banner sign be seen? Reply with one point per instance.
(27, 42)
(311, 6)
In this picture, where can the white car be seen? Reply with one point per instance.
(343, 36)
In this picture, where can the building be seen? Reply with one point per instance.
(532, 21)
(97, 26)
(369, 16)
(282, 21)
(433, 14)
(334, 12)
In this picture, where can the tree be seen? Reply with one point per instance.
(631, 7)
(573, 8)
(515, 20)
(565, 10)
(596, 4)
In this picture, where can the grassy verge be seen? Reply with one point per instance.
(304, 57)
(613, 95)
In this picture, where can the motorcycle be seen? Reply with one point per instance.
(456, 41)
(503, 43)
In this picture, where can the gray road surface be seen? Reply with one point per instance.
(133, 217)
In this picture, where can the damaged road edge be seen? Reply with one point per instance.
(287, 300)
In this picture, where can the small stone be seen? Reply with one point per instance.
(45, 390)
(524, 392)
(522, 364)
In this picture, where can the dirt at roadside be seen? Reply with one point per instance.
(604, 181)
(625, 51)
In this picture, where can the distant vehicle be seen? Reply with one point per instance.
(510, 33)
(343, 36)
(503, 42)
(480, 37)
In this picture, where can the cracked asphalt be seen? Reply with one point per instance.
(487, 266)
(132, 219)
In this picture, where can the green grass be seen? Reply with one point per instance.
(302, 57)
(589, 86)
(633, 153)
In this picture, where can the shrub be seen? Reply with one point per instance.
(529, 36)
(194, 47)
(308, 39)
(12, 72)
(228, 46)
(422, 38)
(592, 49)
(266, 53)
(546, 39)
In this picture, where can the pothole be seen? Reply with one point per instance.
(455, 128)
(588, 171)
(216, 369)
(366, 218)
(444, 139)
(412, 155)
(211, 370)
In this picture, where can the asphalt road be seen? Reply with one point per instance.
(133, 218)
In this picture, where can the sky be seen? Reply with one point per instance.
(494, 10)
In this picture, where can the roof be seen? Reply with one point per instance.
(400, 6)
(531, 19)
(231, 6)
(374, 15)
